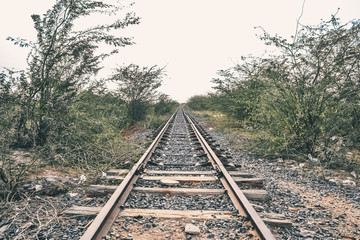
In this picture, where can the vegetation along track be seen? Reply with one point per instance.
(184, 186)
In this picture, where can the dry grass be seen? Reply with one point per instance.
(238, 136)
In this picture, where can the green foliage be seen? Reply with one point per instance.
(165, 105)
(137, 86)
(103, 107)
(313, 90)
(198, 103)
(6, 107)
(160, 111)
(61, 60)
(44, 110)
(12, 169)
(94, 141)
(237, 95)
(304, 100)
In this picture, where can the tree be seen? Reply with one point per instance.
(315, 87)
(198, 103)
(238, 89)
(137, 86)
(304, 100)
(226, 82)
(62, 59)
(164, 105)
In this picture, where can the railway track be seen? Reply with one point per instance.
(184, 186)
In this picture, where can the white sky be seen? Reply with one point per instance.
(193, 38)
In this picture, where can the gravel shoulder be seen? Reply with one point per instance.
(313, 198)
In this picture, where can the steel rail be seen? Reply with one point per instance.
(259, 224)
(106, 217)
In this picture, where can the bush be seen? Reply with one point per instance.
(98, 121)
(198, 103)
(302, 101)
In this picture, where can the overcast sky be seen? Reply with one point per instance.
(192, 38)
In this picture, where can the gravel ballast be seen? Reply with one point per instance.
(196, 202)
(318, 208)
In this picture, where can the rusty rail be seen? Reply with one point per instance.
(232, 187)
(106, 217)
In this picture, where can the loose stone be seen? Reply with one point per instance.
(192, 229)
